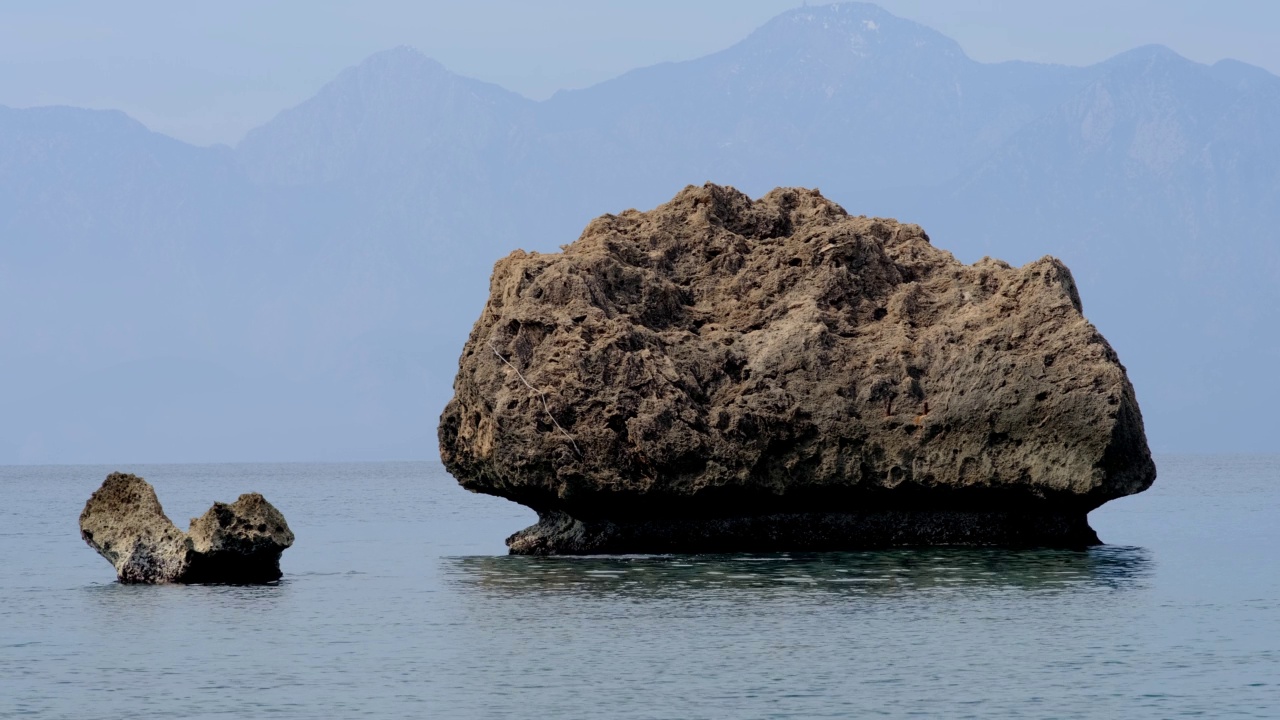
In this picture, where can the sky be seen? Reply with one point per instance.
(209, 72)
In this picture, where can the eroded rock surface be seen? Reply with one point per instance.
(124, 522)
(722, 374)
(244, 539)
(237, 543)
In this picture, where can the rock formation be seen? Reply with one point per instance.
(237, 543)
(124, 522)
(720, 374)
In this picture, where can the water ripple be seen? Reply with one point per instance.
(871, 572)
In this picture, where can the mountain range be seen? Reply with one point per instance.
(305, 294)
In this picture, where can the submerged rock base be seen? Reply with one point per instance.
(557, 533)
(236, 543)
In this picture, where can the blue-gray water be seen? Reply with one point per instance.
(398, 602)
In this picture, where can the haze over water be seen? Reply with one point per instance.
(305, 293)
(398, 601)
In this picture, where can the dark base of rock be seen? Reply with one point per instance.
(232, 569)
(559, 534)
(206, 570)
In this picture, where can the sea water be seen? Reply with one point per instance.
(398, 601)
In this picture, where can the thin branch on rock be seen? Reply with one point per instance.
(541, 396)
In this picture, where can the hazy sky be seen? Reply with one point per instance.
(208, 72)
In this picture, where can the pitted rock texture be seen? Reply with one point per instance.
(124, 522)
(237, 543)
(244, 539)
(718, 360)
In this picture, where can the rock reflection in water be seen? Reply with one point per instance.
(880, 572)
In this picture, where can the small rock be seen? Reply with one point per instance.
(124, 522)
(240, 542)
(237, 543)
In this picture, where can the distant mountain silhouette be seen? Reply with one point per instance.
(305, 294)
(843, 95)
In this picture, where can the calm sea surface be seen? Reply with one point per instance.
(398, 601)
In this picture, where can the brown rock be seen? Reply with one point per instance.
(237, 543)
(124, 522)
(722, 374)
(243, 540)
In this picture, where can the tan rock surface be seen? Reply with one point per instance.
(125, 523)
(722, 359)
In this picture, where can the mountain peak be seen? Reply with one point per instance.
(1147, 56)
(403, 57)
(860, 29)
(394, 104)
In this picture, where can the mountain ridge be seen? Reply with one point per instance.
(331, 263)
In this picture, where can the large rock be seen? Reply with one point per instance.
(722, 374)
(237, 543)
